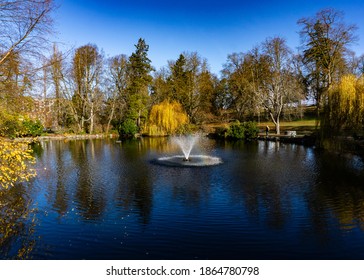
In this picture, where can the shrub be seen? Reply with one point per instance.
(128, 129)
(236, 131)
(14, 125)
(251, 130)
(246, 131)
(10, 126)
(32, 128)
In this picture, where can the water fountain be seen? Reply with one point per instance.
(186, 144)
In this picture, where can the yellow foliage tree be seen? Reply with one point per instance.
(166, 118)
(345, 107)
(347, 94)
(15, 161)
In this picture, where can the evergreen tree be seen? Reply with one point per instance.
(179, 80)
(139, 69)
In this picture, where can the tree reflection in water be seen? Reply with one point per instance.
(17, 222)
(98, 199)
(134, 186)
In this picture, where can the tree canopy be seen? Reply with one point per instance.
(345, 107)
(82, 91)
(325, 46)
(166, 118)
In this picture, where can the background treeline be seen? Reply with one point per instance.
(82, 91)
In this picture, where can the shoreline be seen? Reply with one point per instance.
(306, 140)
(338, 145)
(346, 145)
(63, 137)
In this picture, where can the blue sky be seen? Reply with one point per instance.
(212, 28)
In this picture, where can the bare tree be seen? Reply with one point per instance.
(264, 78)
(275, 90)
(24, 26)
(118, 82)
(62, 77)
(87, 70)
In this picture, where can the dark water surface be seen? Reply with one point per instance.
(98, 199)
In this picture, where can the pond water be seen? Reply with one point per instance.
(99, 199)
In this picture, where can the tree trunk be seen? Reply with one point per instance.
(82, 124)
(276, 123)
(111, 116)
(139, 119)
(92, 118)
(278, 127)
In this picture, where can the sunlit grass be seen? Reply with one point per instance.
(301, 126)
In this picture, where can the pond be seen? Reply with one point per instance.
(99, 199)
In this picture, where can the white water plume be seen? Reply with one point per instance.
(186, 144)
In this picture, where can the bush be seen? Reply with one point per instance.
(14, 125)
(236, 131)
(128, 129)
(246, 131)
(32, 128)
(251, 130)
(10, 126)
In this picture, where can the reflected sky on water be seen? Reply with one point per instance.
(98, 199)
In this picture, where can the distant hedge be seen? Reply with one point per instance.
(238, 131)
(12, 126)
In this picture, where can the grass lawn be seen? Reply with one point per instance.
(299, 125)
(303, 127)
(306, 126)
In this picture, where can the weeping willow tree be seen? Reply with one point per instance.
(344, 112)
(166, 118)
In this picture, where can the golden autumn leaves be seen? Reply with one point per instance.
(15, 161)
(345, 108)
(166, 118)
